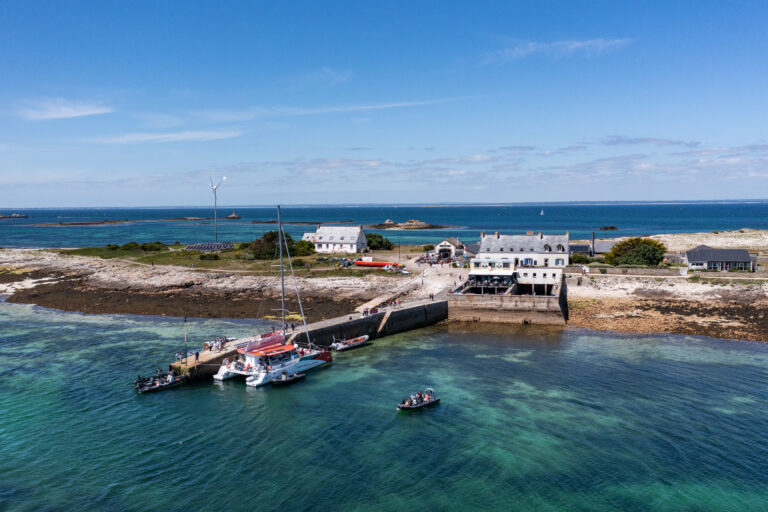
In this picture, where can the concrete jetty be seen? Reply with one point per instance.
(385, 322)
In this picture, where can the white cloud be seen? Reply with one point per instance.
(228, 116)
(59, 108)
(554, 49)
(330, 76)
(188, 136)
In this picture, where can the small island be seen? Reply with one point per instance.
(389, 224)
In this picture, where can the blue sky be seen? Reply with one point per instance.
(139, 103)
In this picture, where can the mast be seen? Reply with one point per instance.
(298, 295)
(282, 278)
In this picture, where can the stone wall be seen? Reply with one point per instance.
(626, 271)
(514, 309)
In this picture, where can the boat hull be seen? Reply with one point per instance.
(306, 363)
(432, 402)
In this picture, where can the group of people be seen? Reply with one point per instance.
(216, 344)
(416, 399)
(156, 380)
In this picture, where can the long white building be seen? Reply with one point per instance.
(530, 250)
(338, 239)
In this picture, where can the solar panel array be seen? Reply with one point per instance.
(211, 247)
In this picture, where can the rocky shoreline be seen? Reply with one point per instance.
(729, 309)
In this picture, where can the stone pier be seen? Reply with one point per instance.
(385, 322)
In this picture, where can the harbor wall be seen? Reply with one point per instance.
(384, 323)
(511, 309)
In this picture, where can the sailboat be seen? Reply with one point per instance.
(268, 357)
(542, 212)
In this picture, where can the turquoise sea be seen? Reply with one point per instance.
(531, 419)
(147, 224)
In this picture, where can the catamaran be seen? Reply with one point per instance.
(269, 356)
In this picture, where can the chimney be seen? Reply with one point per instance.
(482, 234)
(593, 244)
(497, 235)
(540, 236)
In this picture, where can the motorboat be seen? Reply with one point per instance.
(286, 379)
(272, 362)
(343, 345)
(158, 382)
(413, 402)
(245, 365)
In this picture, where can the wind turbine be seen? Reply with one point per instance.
(215, 217)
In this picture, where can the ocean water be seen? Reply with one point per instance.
(531, 419)
(580, 219)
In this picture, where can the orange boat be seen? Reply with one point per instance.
(375, 263)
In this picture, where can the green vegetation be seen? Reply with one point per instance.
(428, 247)
(303, 248)
(265, 248)
(119, 251)
(240, 259)
(579, 259)
(376, 242)
(636, 251)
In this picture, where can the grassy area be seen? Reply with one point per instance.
(315, 265)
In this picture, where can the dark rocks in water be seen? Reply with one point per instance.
(609, 228)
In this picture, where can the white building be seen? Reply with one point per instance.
(530, 250)
(344, 239)
(449, 248)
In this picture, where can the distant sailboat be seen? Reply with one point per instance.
(542, 212)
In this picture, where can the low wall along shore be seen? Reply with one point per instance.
(510, 309)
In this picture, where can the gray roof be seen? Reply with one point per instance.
(471, 248)
(581, 248)
(523, 243)
(452, 241)
(604, 246)
(308, 237)
(338, 233)
(706, 253)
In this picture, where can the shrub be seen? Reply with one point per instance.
(579, 259)
(303, 248)
(603, 271)
(265, 248)
(113, 247)
(428, 247)
(298, 263)
(209, 257)
(636, 251)
(130, 246)
(377, 242)
(153, 247)
(715, 231)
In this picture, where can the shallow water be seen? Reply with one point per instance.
(531, 419)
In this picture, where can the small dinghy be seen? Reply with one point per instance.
(158, 382)
(341, 346)
(419, 400)
(286, 379)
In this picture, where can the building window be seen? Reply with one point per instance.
(330, 237)
(506, 265)
(546, 262)
(534, 274)
(547, 248)
(560, 248)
